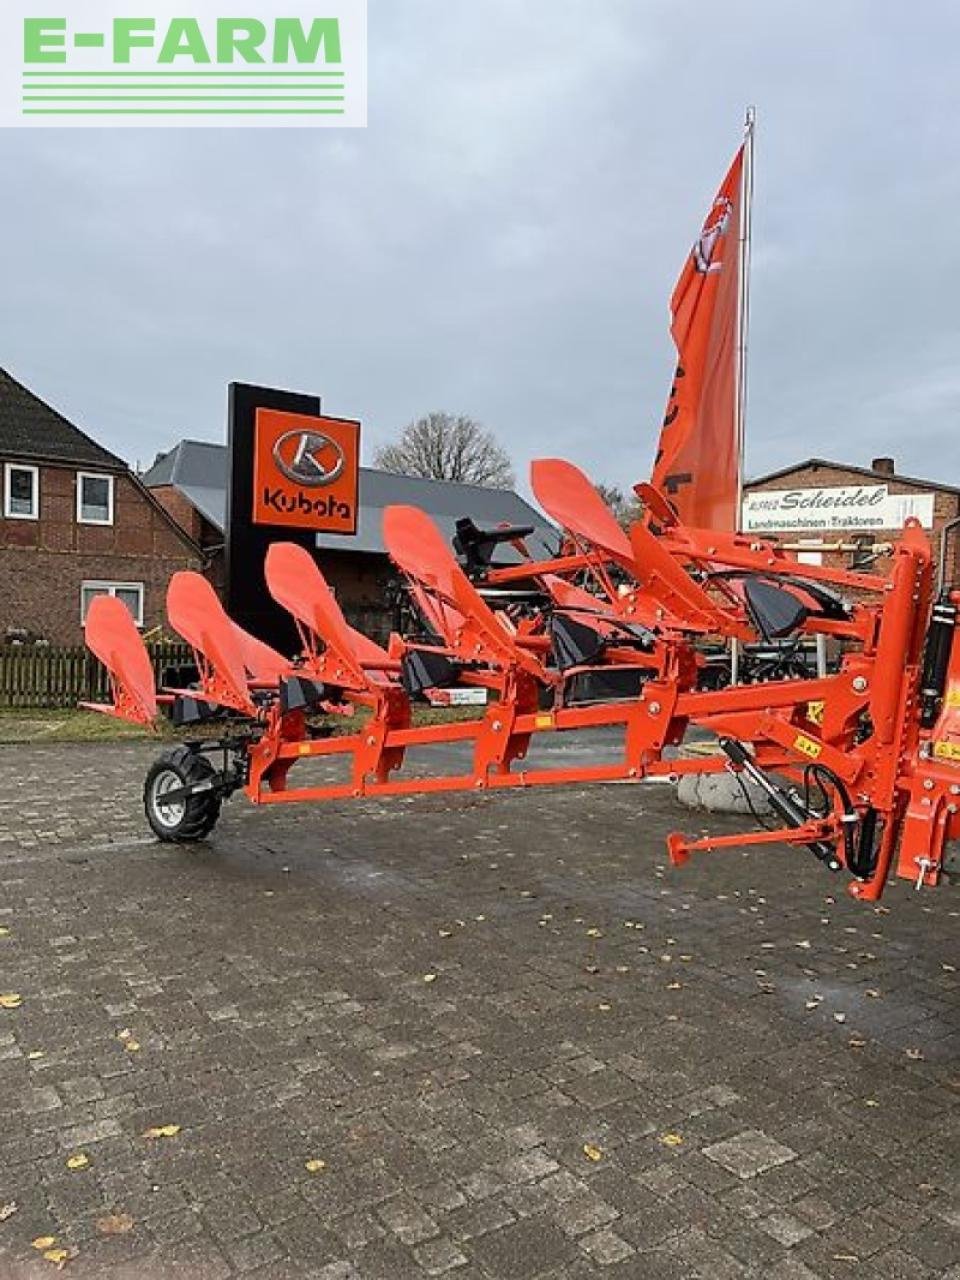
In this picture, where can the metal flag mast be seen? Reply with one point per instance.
(743, 299)
(743, 321)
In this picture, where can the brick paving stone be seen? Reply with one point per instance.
(749, 1153)
(440, 1256)
(282, 1016)
(785, 1229)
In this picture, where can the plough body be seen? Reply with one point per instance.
(862, 766)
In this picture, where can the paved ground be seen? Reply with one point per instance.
(520, 1045)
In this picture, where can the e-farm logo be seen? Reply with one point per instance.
(196, 62)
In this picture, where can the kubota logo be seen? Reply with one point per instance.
(309, 458)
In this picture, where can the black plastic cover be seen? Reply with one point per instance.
(776, 613)
(420, 670)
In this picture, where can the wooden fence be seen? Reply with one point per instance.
(55, 676)
(52, 676)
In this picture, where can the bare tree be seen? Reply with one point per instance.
(624, 506)
(444, 446)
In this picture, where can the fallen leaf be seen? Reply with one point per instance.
(444, 933)
(804, 945)
(674, 986)
(604, 1008)
(429, 977)
(873, 994)
(839, 1017)
(4, 931)
(132, 1046)
(915, 1054)
(124, 1034)
(591, 1152)
(856, 1043)
(315, 1166)
(872, 1102)
(594, 933)
(115, 1224)
(11, 1000)
(672, 1140)
(43, 1242)
(59, 1256)
(8, 1210)
(79, 1161)
(948, 968)
(162, 1131)
(34, 1054)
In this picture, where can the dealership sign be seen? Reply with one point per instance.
(306, 471)
(148, 63)
(851, 508)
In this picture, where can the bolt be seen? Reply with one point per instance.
(859, 684)
(496, 726)
(955, 790)
(928, 784)
(654, 708)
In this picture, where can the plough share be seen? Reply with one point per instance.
(861, 767)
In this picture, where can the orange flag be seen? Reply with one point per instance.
(698, 464)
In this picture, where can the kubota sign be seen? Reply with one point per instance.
(306, 471)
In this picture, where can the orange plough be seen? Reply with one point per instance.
(861, 767)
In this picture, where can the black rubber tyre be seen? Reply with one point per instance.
(183, 821)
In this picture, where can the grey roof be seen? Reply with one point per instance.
(199, 472)
(883, 476)
(33, 430)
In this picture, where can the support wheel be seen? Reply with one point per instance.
(184, 820)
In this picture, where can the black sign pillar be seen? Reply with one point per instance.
(246, 597)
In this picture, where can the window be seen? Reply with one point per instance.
(21, 492)
(94, 498)
(131, 593)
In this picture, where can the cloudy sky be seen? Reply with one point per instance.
(503, 238)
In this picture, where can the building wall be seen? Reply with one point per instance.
(945, 507)
(44, 562)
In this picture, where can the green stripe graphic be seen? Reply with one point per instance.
(263, 74)
(184, 111)
(183, 97)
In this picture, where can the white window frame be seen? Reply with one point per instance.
(95, 475)
(111, 589)
(9, 513)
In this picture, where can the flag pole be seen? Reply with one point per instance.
(743, 321)
(743, 298)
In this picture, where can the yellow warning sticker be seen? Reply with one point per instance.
(815, 712)
(947, 750)
(545, 722)
(952, 699)
(807, 746)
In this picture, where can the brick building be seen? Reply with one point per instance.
(818, 504)
(75, 522)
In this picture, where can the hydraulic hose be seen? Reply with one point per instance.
(787, 804)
